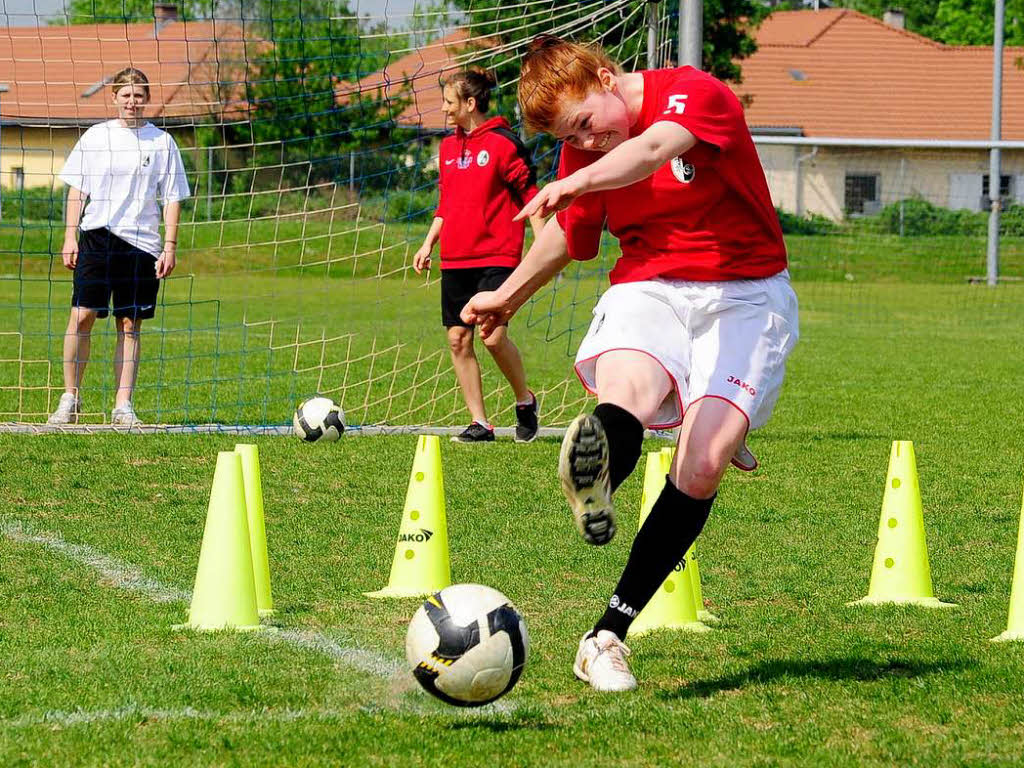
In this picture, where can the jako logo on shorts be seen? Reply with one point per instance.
(742, 385)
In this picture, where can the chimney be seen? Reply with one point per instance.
(165, 13)
(895, 18)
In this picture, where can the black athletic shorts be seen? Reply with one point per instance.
(108, 267)
(458, 286)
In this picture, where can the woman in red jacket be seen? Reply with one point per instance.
(485, 178)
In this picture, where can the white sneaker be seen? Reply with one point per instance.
(744, 459)
(124, 416)
(583, 470)
(67, 411)
(601, 661)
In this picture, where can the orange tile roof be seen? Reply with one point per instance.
(417, 76)
(48, 69)
(832, 72)
(840, 73)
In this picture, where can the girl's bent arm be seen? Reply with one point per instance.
(546, 258)
(631, 161)
(637, 158)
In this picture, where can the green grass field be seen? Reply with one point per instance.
(263, 313)
(99, 538)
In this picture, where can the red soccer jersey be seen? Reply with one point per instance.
(706, 215)
(486, 178)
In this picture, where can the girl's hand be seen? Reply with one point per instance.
(421, 260)
(486, 310)
(69, 253)
(167, 261)
(556, 196)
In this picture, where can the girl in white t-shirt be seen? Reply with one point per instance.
(125, 167)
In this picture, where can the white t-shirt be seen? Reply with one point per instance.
(124, 172)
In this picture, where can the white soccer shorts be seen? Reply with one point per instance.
(725, 339)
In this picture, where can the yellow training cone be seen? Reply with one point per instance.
(672, 606)
(257, 529)
(1015, 623)
(698, 594)
(421, 566)
(900, 573)
(225, 592)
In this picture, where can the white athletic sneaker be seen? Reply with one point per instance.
(744, 459)
(124, 416)
(601, 661)
(67, 411)
(583, 470)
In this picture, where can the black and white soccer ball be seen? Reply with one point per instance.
(467, 645)
(319, 419)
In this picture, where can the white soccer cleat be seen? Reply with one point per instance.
(67, 411)
(124, 416)
(601, 661)
(583, 470)
(744, 459)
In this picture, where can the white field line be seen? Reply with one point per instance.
(363, 660)
(131, 579)
(112, 572)
(134, 713)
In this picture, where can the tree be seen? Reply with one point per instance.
(726, 39)
(307, 114)
(727, 27)
(954, 22)
(972, 22)
(129, 11)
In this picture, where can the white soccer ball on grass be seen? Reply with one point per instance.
(467, 645)
(319, 419)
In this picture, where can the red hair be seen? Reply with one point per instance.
(554, 71)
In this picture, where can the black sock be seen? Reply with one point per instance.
(625, 440)
(672, 526)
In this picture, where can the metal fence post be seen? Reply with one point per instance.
(3, 89)
(994, 187)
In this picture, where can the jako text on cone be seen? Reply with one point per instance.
(420, 566)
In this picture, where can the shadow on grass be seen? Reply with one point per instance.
(503, 724)
(803, 436)
(857, 669)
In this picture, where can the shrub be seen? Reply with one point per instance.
(32, 204)
(811, 224)
(916, 217)
(1011, 223)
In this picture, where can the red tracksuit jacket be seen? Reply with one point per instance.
(485, 179)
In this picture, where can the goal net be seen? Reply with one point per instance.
(309, 131)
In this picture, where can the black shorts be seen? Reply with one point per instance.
(458, 286)
(108, 267)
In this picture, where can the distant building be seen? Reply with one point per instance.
(59, 80)
(838, 73)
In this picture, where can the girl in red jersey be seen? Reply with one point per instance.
(485, 178)
(700, 317)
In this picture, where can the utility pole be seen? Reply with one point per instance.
(691, 33)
